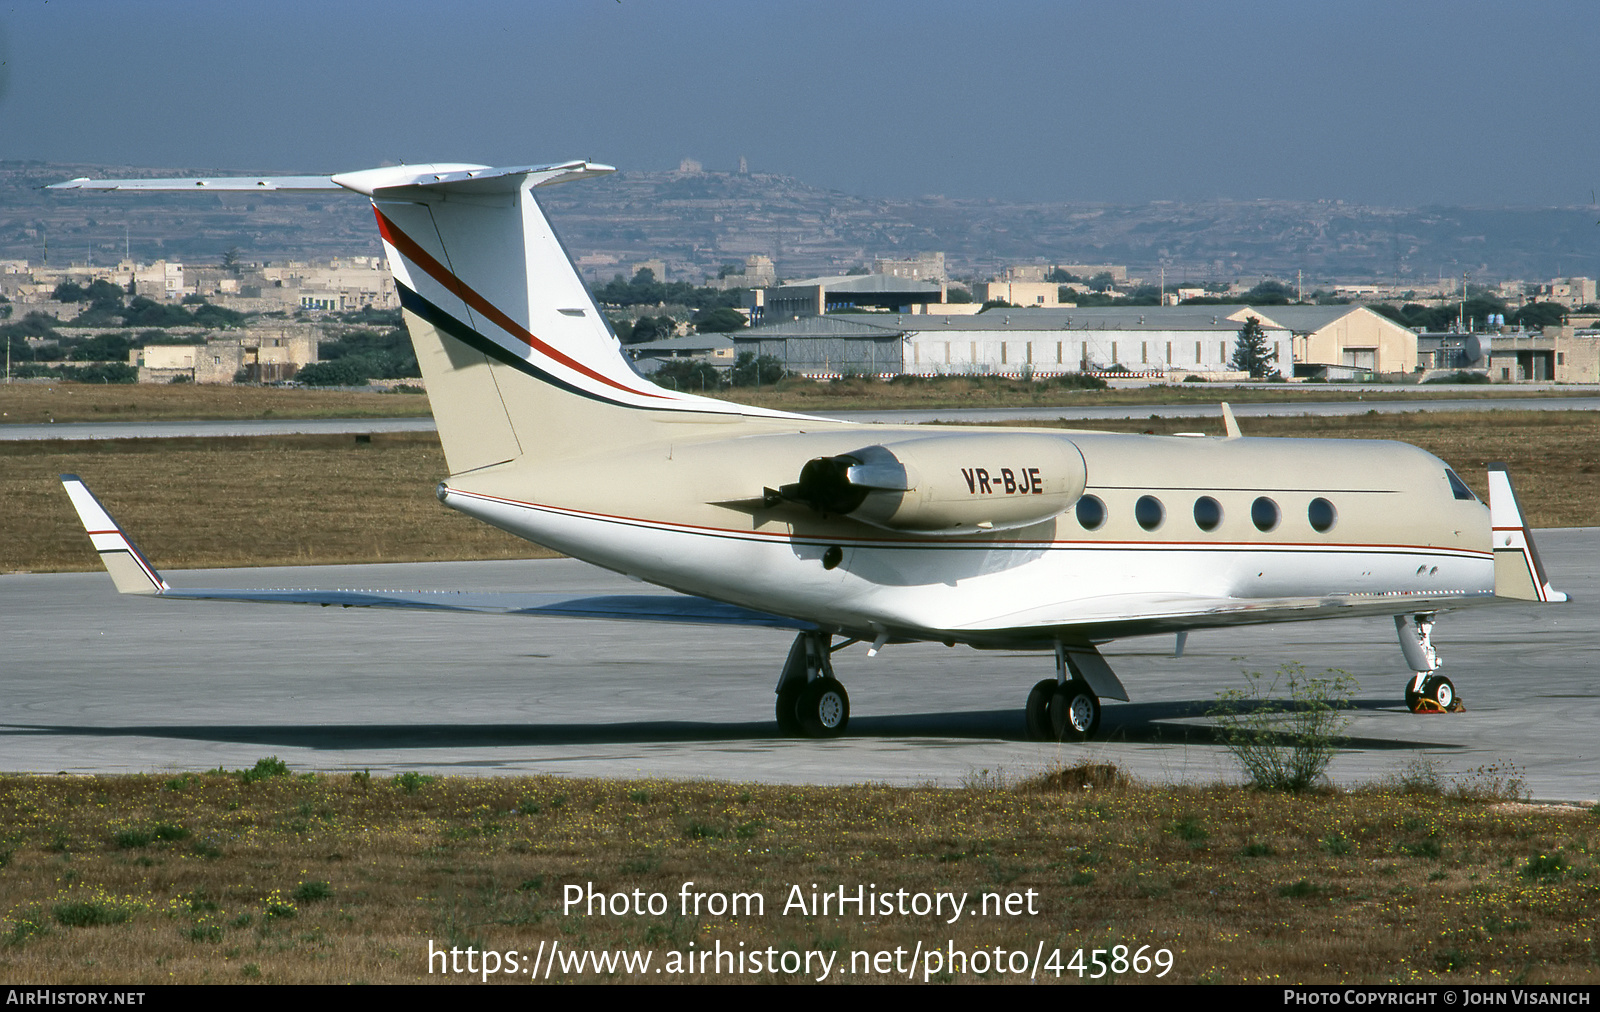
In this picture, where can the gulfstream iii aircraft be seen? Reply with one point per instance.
(1056, 541)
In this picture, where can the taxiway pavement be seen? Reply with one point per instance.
(94, 682)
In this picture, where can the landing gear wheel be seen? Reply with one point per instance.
(823, 708)
(1441, 691)
(1074, 712)
(1037, 715)
(1438, 695)
(1413, 698)
(788, 697)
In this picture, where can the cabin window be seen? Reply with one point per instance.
(1459, 488)
(1149, 512)
(1091, 513)
(1264, 514)
(1322, 515)
(1207, 513)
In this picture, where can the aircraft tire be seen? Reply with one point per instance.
(1440, 690)
(1413, 698)
(823, 708)
(788, 697)
(1037, 714)
(1074, 712)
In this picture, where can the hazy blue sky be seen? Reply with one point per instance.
(1378, 102)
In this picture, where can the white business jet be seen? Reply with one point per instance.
(1053, 540)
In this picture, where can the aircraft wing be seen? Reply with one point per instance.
(1116, 616)
(133, 574)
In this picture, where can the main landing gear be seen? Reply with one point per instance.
(1427, 691)
(1067, 707)
(811, 702)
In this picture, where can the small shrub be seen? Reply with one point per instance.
(310, 892)
(1285, 747)
(94, 911)
(1419, 775)
(703, 831)
(1545, 866)
(1189, 828)
(362, 778)
(1427, 848)
(133, 837)
(411, 781)
(27, 924)
(202, 933)
(276, 906)
(1491, 783)
(1336, 844)
(1080, 776)
(1299, 890)
(167, 831)
(265, 769)
(1256, 850)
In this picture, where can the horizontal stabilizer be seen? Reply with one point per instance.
(255, 184)
(1518, 572)
(390, 181)
(676, 608)
(133, 574)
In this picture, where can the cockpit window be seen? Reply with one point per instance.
(1458, 487)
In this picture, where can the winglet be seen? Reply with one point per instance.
(1518, 573)
(1230, 425)
(129, 569)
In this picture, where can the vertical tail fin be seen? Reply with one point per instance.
(1518, 572)
(518, 360)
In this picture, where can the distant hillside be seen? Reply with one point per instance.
(697, 222)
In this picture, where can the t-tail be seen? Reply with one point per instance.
(519, 362)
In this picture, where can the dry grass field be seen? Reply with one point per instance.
(222, 878)
(80, 402)
(295, 500)
(88, 402)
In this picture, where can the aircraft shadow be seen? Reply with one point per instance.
(1138, 723)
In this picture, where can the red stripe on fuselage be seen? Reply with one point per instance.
(434, 269)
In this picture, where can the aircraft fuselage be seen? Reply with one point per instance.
(1393, 534)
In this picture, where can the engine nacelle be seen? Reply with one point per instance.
(954, 484)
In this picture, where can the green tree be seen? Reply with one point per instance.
(1269, 293)
(650, 328)
(1251, 354)
(750, 371)
(1538, 315)
(719, 321)
(345, 372)
(103, 348)
(689, 374)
